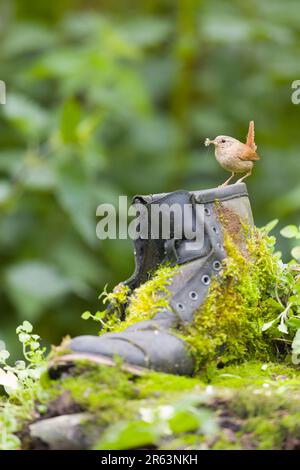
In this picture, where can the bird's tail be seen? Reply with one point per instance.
(250, 137)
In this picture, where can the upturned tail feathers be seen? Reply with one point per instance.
(250, 137)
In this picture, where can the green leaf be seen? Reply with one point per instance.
(27, 37)
(33, 284)
(130, 435)
(70, 119)
(296, 253)
(4, 355)
(283, 328)
(290, 231)
(270, 226)
(75, 195)
(86, 315)
(296, 348)
(26, 115)
(5, 192)
(184, 421)
(268, 325)
(294, 322)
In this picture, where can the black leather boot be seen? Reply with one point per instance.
(152, 343)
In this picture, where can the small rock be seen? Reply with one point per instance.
(66, 432)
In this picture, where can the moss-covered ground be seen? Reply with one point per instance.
(254, 405)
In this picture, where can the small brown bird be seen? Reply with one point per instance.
(235, 156)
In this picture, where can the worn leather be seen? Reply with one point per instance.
(152, 343)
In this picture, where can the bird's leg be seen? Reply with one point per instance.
(246, 176)
(229, 179)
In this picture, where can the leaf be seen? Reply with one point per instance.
(296, 348)
(184, 421)
(26, 115)
(148, 31)
(270, 226)
(70, 119)
(28, 37)
(294, 322)
(33, 284)
(86, 315)
(268, 325)
(295, 359)
(75, 195)
(38, 176)
(4, 355)
(5, 192)
(134, 434)
(290, 231)
(296, 253)
(283, 328)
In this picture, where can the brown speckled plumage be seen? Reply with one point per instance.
(233, 155)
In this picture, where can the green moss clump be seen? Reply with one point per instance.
(228, 327)
(99, 390)
(118, 297)
(144, 302)
(254, 373)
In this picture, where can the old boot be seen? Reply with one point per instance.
(152, 343)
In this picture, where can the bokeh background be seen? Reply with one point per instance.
(116, 97)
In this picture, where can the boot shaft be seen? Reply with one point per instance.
(225, 206)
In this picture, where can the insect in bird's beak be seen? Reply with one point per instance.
(207, 142)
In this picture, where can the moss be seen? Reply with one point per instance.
(264, 403)
(255, 407)
(227, 327)
(99, 390)
(254, 373)
(145, 301)
(118, 297)
(155, 384)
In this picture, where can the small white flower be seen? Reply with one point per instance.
(166, 411)
(209, 389)
(147, 415)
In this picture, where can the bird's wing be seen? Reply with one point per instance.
(250, 137)
(247, 154)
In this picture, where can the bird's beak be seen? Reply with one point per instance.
(208, 142)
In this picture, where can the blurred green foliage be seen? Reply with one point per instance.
(116, 97)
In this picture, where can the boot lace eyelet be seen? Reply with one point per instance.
(206, 211)
(205, 280)
(217, 265)
(215, 230)
(180, 306)
(193, 295)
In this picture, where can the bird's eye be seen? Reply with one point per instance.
(223, 141)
